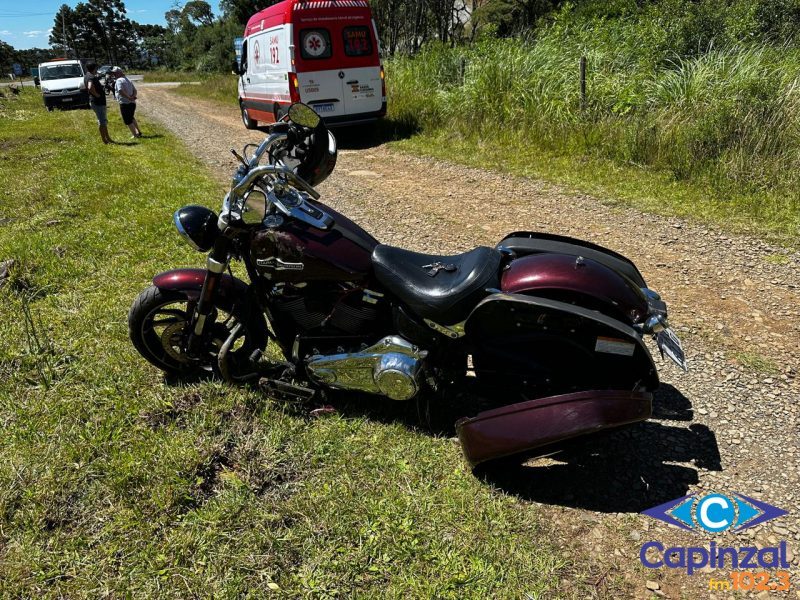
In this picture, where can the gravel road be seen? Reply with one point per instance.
(732, 424)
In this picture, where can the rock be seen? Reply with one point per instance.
(780, 530)
(5, 270)
(652, 586)
(364, 174)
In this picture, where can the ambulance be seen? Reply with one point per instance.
(324, 53)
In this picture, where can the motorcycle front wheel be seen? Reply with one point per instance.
(158, 326)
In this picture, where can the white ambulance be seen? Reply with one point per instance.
(324, 53)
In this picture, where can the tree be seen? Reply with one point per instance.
(199, 11)
(240, 11)
(62, 36)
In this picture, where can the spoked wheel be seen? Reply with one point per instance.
(158, 325)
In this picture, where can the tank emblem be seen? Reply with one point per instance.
(273, 262)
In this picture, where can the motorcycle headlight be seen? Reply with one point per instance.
(197, 225)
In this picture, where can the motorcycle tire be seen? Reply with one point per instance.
(165, 349)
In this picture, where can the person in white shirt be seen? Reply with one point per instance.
(125, 92)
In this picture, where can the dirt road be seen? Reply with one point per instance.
(732, 424)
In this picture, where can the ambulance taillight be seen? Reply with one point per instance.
(294, 88)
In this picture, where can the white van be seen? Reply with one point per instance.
(62, 83)
(324, 53)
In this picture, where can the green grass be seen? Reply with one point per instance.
(115, 482)
(221, 88)
(710, 132)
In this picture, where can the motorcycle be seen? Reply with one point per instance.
(546, 330)
(108, 80)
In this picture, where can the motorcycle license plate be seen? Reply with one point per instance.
(670, 345)
(323, 108)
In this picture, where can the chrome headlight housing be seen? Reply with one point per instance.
(197, 225)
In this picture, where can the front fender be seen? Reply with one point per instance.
(230, 291)
(232, 295)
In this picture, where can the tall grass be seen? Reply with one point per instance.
(726, 117)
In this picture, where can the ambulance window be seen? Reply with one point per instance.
(315, 44)
(357, 41)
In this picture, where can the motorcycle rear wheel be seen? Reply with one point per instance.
(157, 325)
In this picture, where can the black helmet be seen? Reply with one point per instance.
(319, 159)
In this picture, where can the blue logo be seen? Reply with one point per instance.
(715, 513)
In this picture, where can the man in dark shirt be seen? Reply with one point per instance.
(97, 100)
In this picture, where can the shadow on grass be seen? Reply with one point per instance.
(628, 469)
(152, 136)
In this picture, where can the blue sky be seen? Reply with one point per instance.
(27, 24)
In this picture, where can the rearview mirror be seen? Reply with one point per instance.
(303, 115)
(255, 207)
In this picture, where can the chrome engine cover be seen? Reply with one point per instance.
(391, 367)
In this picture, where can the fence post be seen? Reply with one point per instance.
(583, 83)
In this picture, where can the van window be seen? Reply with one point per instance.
(315, 44)
(60, 72)
(357, 41)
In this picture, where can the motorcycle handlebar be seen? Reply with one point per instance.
(253, 174)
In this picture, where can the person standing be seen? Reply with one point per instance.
(126, 96)
(97, 100)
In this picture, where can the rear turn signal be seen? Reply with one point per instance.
(383, 83)
(294, 88)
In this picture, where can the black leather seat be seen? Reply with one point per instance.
(446, 297)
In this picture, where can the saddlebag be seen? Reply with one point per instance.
(531, 424)
(523, 243)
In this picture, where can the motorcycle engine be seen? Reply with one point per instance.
(336, 308)
(392, 367)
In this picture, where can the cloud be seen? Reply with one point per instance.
(144, 10)
(6, 32)
(33, 34)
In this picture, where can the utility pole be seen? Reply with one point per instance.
(64, 32)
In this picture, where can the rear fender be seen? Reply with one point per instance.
(567, 344)
(582, 281)
(524, 243)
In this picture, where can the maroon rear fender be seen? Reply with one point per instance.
(576, 279)
(190, 282)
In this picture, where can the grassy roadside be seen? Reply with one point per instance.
(113, 481)
(646, 189)
(220, 88)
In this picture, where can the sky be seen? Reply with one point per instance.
(26, 24)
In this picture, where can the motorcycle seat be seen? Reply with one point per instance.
(440, 288)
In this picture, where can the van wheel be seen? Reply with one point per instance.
(248, 122)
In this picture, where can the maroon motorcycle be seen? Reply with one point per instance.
(547, 331)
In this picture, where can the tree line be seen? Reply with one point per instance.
(194, 38)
